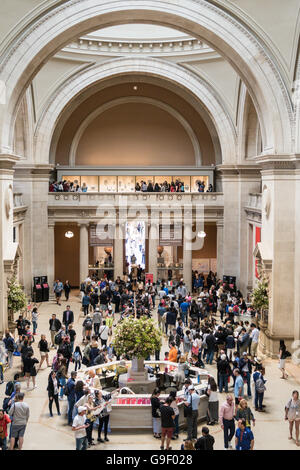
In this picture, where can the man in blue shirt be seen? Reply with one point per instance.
(192, 419)
(160, 313)
(244, 439)
(238, 386)
(184, 309)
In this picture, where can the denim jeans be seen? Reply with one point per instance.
(34, 324)
(258, 400)
(176, 421)
(223, 382)
(71, 403)
(248, 378)
(3, 443)
(81, 443)
(209, 356)
(229, 429)
(62, 382)
(184, 317)
(1, 373)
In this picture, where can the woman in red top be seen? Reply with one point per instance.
(4, 420)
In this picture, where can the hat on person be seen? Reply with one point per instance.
(223, 357)
(97, 309)
(245, 354)
(81, 409)
(258, 360)
(191, 387)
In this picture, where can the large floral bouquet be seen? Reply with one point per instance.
(16, 298)
(137, 338)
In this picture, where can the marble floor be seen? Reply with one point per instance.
(44, 433)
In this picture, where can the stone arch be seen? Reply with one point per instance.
(175, 74)
(133, 99)
(49, 29)
(249, 131)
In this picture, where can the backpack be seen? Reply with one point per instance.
(10, 387)
(11, 346)
(88, 325)
(259, 385)
(76, 356)
(66, 390)
(5, 404)
(57, 339)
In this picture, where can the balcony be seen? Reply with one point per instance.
(254, 207)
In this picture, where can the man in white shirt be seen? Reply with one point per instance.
(103, 333)
(79, 427)
(254, 335)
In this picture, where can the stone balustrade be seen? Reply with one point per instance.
(255, 201)
(147, 199)
(18, 200)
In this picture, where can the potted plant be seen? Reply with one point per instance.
(16, 300)
(137, 338)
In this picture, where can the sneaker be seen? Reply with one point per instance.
(106, 439)
(100, 440)
(162, 448)
(229, 445)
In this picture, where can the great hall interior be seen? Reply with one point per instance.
(106, 95)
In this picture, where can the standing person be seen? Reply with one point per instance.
(54, 327)
(192, 404)
(184, 311)
(97, 318)
(174, 405)
(77, 358)
(254, 335)
(72, 336)
(244, 439)
(34, 319)
(68, 317)
(67, 289)
(79, 426)
(58, 288)
(62, 376)
(86, 303)
(167, 423)
(227, 421)
(244, 412)
(210, 341)
(245, 367)
(70, 390)
(4, 421)
(292, 414)
(103, 333)
(29, 368)
(44, 350)
(87, 326)
(10, 347)
(223, 368)
(206, 441)
(3, 357)
(155, 408)
(103, 401)
(213, 402)
(19, 412)
(283, 354)
(238, 386)
(259, 386)
(52, 389)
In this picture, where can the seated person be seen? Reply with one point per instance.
(120, 369)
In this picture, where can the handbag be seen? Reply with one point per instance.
(188, 410)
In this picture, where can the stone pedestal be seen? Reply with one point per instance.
(137, 378)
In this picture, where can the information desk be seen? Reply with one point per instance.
(134, 410)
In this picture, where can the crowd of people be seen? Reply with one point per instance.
(200, 331)
(176, 186)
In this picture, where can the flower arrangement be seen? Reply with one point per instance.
(137, 338)
(16, 298)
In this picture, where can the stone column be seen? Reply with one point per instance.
(152, 252)
(279, 209)
(118, 252)
(51, 255)
(84, 250)
(187, 255)
(220, 248)
(8, 248)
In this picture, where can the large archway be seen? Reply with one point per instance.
(54, 27)
(171, 73)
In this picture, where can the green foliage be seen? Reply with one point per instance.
(137, 338)
(16, 297)
(260, 295)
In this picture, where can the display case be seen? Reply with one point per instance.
(91, 182)
(108, 184)
(126, 184)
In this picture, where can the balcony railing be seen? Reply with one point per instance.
(94, 199)
(18, 200)
(255, 201)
